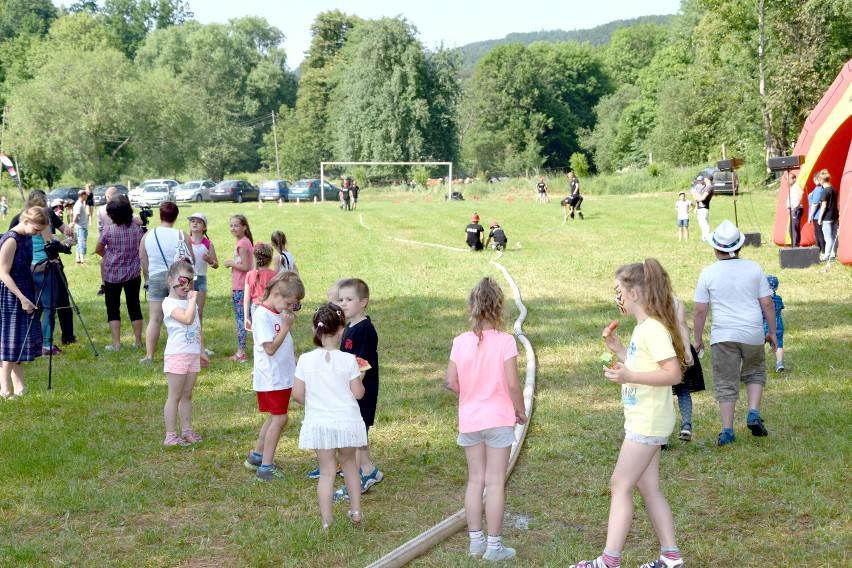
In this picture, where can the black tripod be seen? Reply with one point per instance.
(54, 273)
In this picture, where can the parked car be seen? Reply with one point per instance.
(194, 190)
(136, 192)
(66, 194)
(99, 193)
(234, 190)
(274, 189)
(156, 194)
(309, 189)
(724, 183)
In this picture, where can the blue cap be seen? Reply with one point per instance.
(773, 281)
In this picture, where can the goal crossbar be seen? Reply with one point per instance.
(449, 175)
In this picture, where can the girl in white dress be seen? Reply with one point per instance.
(328, 383)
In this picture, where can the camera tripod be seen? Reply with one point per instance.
(54, 275)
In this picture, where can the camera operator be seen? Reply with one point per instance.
(45, 281)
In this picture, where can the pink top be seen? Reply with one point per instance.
(238, 277)
(483, 395)
(256, 280)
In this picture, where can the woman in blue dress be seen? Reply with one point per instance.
(19, 341)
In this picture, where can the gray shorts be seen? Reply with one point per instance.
(200, 283)
(735, 363)
(500, 437)
(158, 288)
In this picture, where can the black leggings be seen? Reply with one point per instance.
(112, 297)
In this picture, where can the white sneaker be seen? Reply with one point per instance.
(477, 548)
(499, 554)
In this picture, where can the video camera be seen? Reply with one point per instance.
(52, 248)
(145, 213)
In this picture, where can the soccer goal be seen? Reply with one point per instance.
(449, 174)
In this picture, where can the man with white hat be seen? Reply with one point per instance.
(739, 294)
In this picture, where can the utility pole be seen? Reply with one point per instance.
(275, 138)
(2, 132)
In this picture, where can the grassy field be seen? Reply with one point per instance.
(86, 481)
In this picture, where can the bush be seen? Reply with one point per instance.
(420, 176)
(580, 164)
(654, 170)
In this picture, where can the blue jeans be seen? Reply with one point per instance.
(829, 233)
(82, 235)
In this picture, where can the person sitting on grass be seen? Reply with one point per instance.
(498, 235)
(474, 232)
(274, 368)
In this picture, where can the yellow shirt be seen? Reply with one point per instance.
(648, 411)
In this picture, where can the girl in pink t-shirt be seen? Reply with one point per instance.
(240, 266)
(483, 370)
(256, 281)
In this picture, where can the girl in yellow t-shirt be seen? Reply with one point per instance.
(647, 369)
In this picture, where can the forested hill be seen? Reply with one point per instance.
(599, 35)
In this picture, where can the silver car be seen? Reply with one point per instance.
(155, 195)
(198, 190)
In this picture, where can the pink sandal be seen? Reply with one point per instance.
(238, 358)
(191, 437)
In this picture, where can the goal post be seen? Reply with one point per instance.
(449, 175)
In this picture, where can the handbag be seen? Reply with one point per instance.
(181, 252)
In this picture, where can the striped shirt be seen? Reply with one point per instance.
(121, 259)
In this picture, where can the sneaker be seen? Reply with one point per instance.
(596, 563)
(274, 473)
(45, 351)
(252, 462)
(477, 548)
(368, 481)
(101, 290)
(112, 349)
(581, 215)
(209, 353)
(663, 562)
(145, 360)
(340, 494)
(755, 424)
(314, 474)
(191, 437)
(685, 434)
(499, 554)
(572, 215)
(174, 440)
(725, 438)
(779, 366)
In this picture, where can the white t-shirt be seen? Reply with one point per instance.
(168, 238)
(328, 398)
(80, 209)
(199, 250)
(286, 262)
(682, 209)
(182, 338)
(733, 289)
(271, 372)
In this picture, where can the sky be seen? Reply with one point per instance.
(453, 22)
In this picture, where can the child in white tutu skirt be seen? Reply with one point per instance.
(328, 383)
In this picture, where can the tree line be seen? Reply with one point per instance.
(137, 87)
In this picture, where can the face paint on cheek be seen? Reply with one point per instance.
(619, 301)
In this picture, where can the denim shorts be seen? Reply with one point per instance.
(683, 222)
(646, 440)
(200, 283)
(158, 288)
(499, 437)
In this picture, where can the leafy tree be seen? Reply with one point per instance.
(25, 17)
(75, 114)
(385, 94)
(503, 114)
(304, 134)
(133, 20)
(631, 49)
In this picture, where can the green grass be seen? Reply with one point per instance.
(86, 482)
